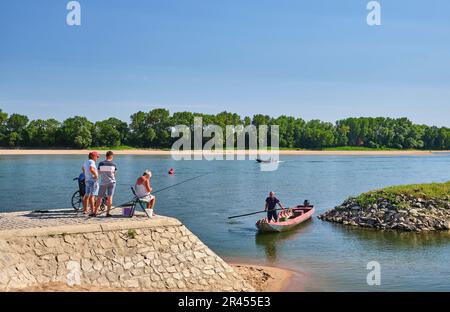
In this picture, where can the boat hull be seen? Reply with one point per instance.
(276, 227)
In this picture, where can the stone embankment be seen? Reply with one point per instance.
(399, 212)
(158, 254)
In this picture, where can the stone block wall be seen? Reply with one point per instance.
(141, 256)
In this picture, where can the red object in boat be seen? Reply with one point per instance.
(300, 214)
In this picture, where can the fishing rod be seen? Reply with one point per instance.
(170, 186)
(166, 188)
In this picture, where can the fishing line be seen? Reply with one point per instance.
(165, 188)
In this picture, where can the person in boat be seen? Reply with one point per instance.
(143, 189)
(271, 207)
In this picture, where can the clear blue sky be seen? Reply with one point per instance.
(313, 59)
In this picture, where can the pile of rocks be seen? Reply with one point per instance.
(399, 212)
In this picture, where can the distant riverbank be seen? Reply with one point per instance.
(157, 152)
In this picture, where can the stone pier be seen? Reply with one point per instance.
(61, 246)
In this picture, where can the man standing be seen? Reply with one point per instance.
(271, 205)
(91, 176)
(107, 182)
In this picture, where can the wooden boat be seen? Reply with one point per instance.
(300, 214)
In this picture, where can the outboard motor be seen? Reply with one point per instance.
(306, 203)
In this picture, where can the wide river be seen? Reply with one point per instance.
(328, 257)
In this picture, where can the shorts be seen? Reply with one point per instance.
(108, 189)
(147, 198)
(272, 214)
(91, 188)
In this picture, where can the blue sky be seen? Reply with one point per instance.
(313, 59)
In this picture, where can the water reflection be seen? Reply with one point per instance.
(272, 242)
(397, 239)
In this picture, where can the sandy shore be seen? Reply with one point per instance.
(262, 278)
(232, 152)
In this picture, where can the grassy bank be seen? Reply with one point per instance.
(362, 148)
(396, 194)
(415, 207)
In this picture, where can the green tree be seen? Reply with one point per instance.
(138, 130)
(42, 133)
(151, 129)
(158, 120)
(3, 129)
(77, 132)
(15, 129)
(110, 132)
(318, 134)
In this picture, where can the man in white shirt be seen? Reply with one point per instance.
(91, 174)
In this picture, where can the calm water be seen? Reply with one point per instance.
(330, 257)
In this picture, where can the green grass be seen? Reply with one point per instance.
(425, 191)
(132, 233)
(360, 148)
(113, 148)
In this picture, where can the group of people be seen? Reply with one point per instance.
(101, 180)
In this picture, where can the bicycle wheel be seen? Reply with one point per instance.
(77, 201)
(104, 203)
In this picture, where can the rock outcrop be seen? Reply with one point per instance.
(399, 212)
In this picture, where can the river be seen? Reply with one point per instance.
(329, 257)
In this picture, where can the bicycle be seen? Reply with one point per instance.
(77, 197)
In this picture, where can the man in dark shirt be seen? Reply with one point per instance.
(271, 205)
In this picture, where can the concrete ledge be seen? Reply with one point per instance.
(29, 224)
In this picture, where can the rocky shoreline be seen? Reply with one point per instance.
(399, 212)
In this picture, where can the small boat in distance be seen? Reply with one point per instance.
(300, 214)
(266, 161)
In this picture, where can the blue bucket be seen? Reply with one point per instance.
(127, 211)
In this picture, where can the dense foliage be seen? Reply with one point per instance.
(153, 130)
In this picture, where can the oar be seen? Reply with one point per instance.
(251, 213)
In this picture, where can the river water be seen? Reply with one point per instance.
(328, 257)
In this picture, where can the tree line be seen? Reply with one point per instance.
(153, 130)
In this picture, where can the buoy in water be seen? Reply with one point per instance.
(171, 171)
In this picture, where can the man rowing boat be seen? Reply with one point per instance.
(271, 205)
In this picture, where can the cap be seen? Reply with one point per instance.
(94, 153)
(148, 172)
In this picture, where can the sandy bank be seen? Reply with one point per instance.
(235, 152)
(262, 278)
